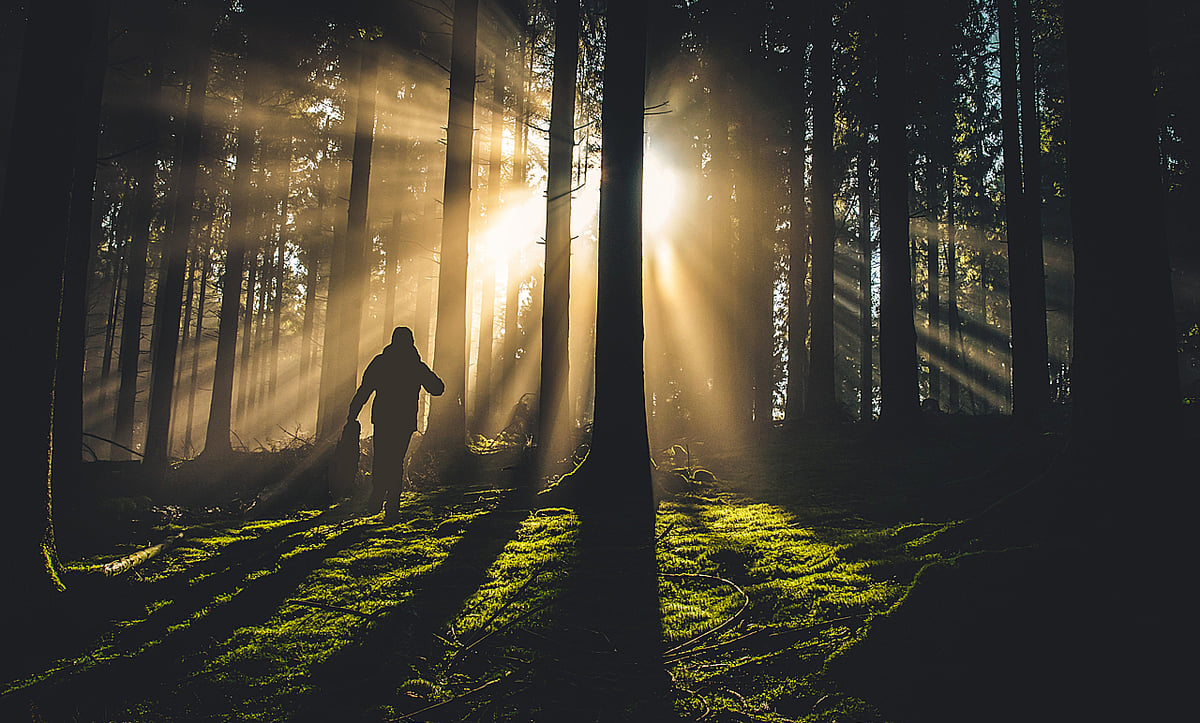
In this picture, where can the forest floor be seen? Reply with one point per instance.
(824, 577)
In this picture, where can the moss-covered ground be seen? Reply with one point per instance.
(775, 566)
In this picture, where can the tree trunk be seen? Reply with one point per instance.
(1031, 196)
(553, 412)
(1125, 390)
(866, 388)
(68, 376)
(487, 315)
(36, 205)
(822, 399)
(237, 241)
(1030, 374)
(897, 336)
(798, 237)
(448, 420)
(145, 171)
(933, 301)
(170, 291)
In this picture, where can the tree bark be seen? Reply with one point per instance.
(821, 399)
(170, 292)
(553, 409)
(448, 420)
(798, 237)
(237, 241)
(897, 336)
(67, 433)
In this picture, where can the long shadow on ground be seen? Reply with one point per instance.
(360, 680)
(151, 656)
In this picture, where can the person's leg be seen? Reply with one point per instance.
(387, 471)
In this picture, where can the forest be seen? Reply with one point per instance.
(786, 361)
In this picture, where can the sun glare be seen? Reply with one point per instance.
(659, 194)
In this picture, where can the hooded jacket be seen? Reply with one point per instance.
(396, 377)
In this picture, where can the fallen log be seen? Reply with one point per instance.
(116, 567)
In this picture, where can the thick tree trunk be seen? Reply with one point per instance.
(553, 412)
(448, 420)
(897, 336)
(68, 375)
(1125, 390)
(35, 208)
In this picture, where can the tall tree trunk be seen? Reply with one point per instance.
(330, 405)
(145, 172)
(448, 420)
(1125, 390)
(617, 534)
(822, 399)
(170, 290)
(245, 367)
(198, 342)
(897, 337)
(487, 315)
(933, 301)
(953, 320)
(67, 431)
(220, 414)
(798, 237)
(866, 388)
(35, 207)
(553, 409)
(1030, 374)
(1031, 196)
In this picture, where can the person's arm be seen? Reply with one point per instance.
(362, 394)
(432, 382)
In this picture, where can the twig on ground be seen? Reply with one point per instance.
(712, 631)
(116, 567)
(457, 699)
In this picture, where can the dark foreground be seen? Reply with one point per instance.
(830, 575)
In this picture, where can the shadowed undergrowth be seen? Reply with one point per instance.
(454, 610)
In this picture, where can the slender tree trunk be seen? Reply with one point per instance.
(1031, 196)
(220, 415)
(448, 421)
(953, 320)
(1030, 373)
(197, 343)
(933, 301)
(487, 315)
(866, 388)
(822, 400)
(357, 237)
(553, 400)
(798, 238)
(166, 347)
(135, 277)
(245, 367)
(897, 336)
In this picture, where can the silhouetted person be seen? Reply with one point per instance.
(395, 377)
